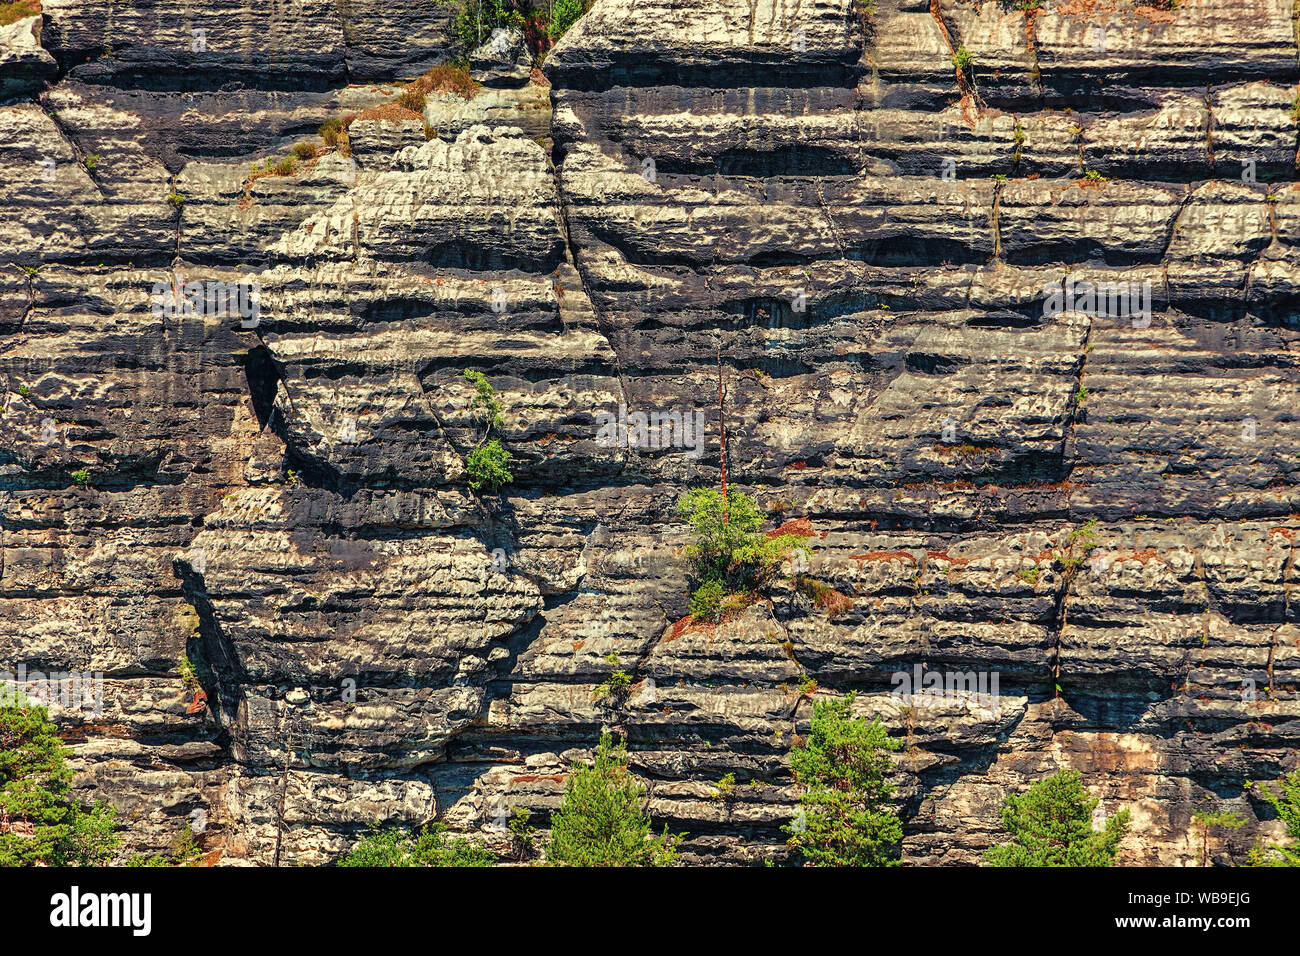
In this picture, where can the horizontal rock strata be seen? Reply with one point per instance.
(1095, 503)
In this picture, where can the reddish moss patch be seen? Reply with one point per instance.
(946, 556)
(537, 777)
(1145, 557)
(1062, 485)
(680, 627)
(688, 625)
(884, 556)
(1157, 11)
(733, 606)
(800, 527)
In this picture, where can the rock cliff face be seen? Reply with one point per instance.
(1094, 503)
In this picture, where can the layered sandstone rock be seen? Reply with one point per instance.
(862, 238)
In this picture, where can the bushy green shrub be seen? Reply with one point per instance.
(602, 820)
(430, 847)
(44, 824)
(522, 832)
(542, 23)
(730, 554)
(1208, 820)
(1051, 825)
(185, 851)
(488, 466)
(845, 815)
(476, 19)
(485, 399)
(1287, 804)
(706, 601)
(616, 686)
(332, 131)
(564, 14)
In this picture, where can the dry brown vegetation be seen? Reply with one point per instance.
(823, 596)
(18, 10)
(388, 112)
(335, 134)
(444, 78)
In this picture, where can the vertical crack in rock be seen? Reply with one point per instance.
(993, 221)
(1031, 43)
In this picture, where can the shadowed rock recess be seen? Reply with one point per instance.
(807, 196)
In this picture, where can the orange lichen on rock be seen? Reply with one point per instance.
(884, 556)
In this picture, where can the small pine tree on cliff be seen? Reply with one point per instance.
(1051, 825)
(430, 847)
(564, 14)
(602, 821)
(41, 823)
(845, 816)
(488, 465)
(1287, 804)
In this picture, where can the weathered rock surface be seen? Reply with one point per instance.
(862, 239)
(24, 63)
(503, 59)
